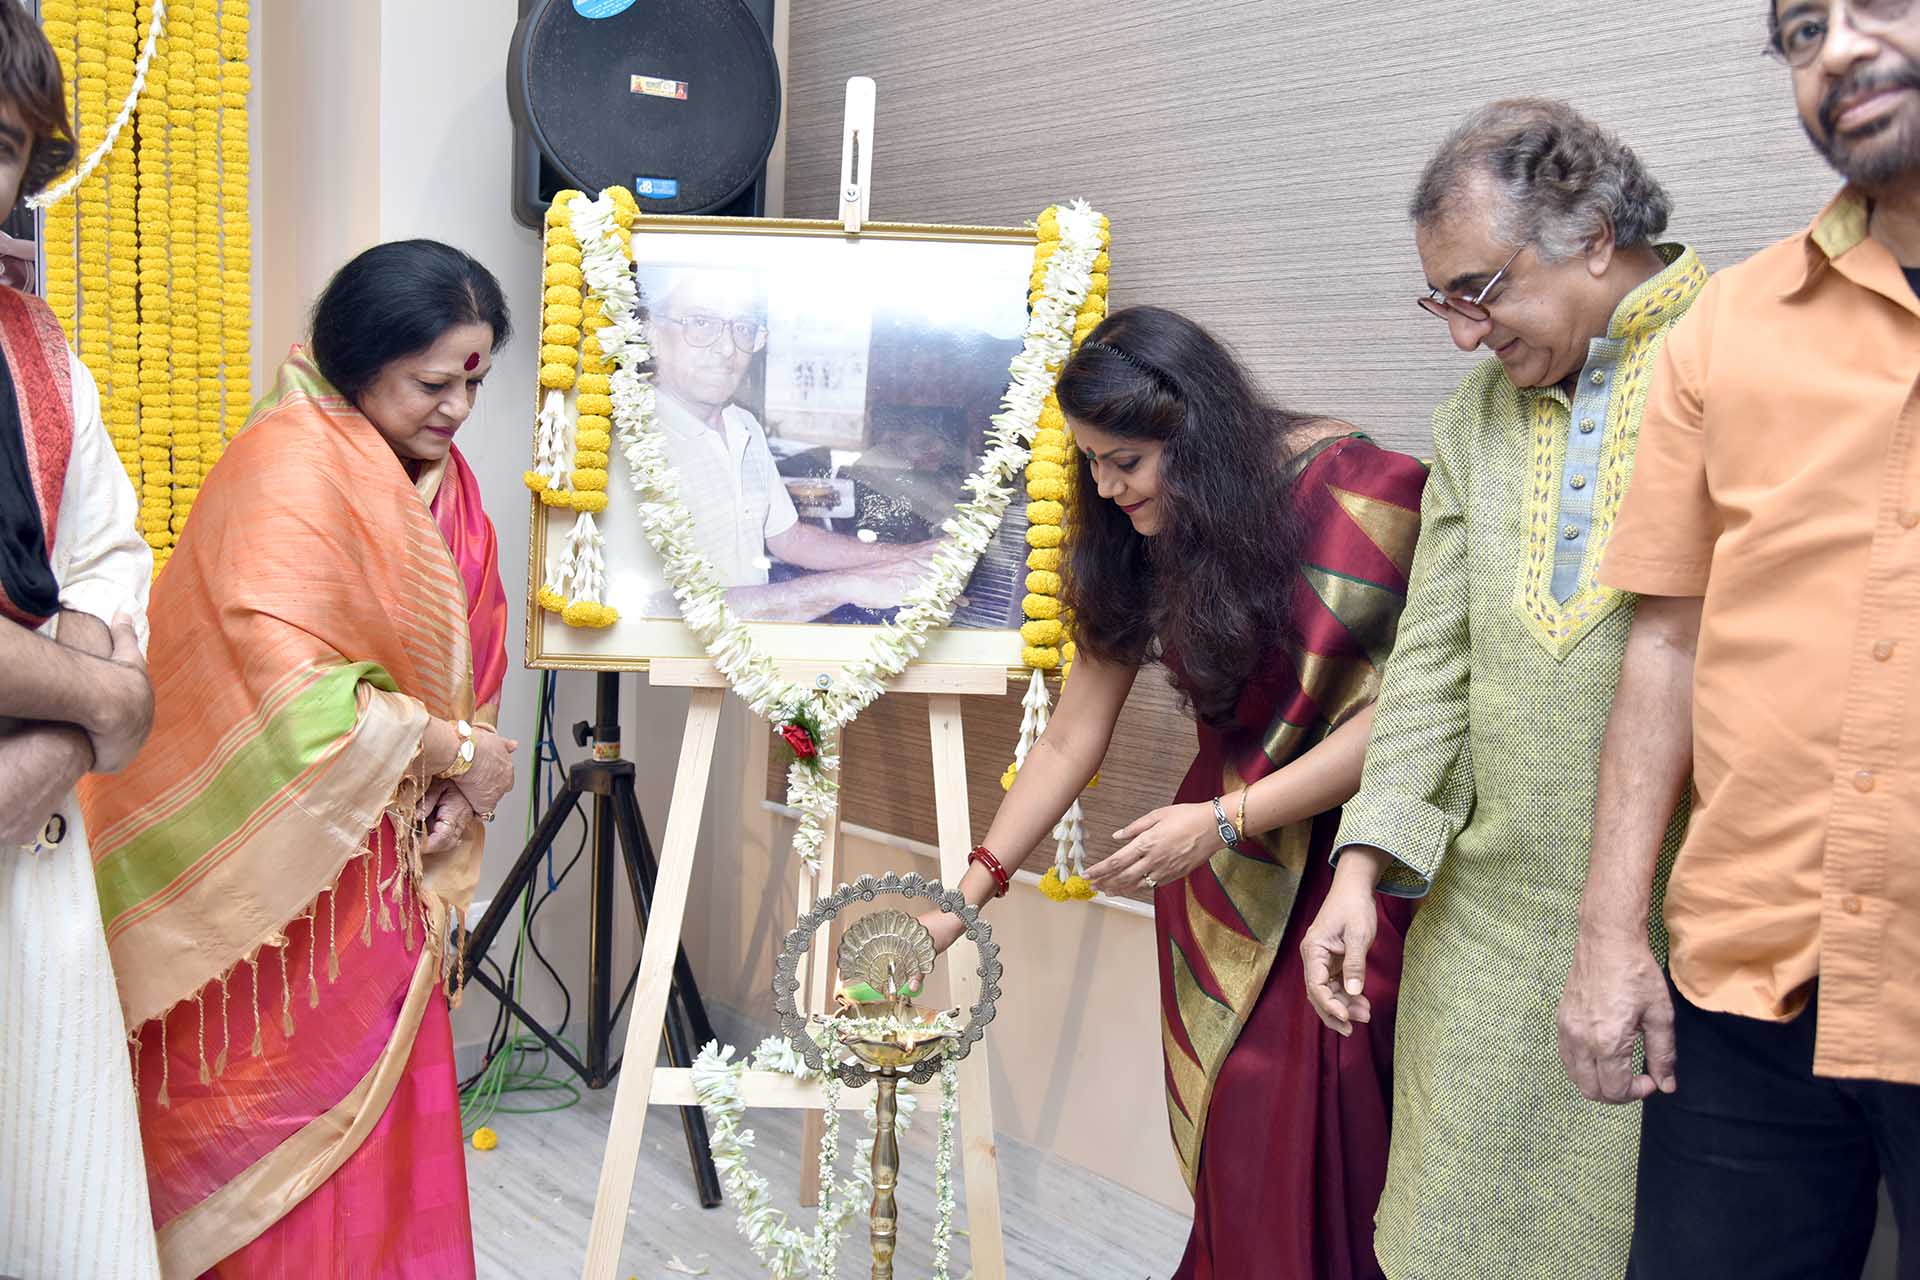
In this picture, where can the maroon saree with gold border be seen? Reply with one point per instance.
(1281, 1124)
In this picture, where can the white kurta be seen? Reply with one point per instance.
(73, 1185)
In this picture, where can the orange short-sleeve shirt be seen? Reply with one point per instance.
(1778, 477)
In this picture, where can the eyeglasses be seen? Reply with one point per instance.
(747, 336)
(1439, 304)
(1802, 30)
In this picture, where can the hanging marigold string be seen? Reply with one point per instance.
(1047, 645)
(183, 194)
(209, 314)
(572, 359)
(236, 219)
(148, 244)
(120, 392)
(155, 318)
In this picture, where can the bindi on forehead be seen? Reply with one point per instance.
(473, 362)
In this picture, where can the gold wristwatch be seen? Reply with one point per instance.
(463, 758)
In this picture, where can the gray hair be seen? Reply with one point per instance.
(1561, 179)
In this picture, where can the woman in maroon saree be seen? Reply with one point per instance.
(1262, 557)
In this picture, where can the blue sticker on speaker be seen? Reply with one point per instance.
(601, 8)
(656, 188)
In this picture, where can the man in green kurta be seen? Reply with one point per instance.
(1539, 233)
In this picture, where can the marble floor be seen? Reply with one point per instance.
(533, 1202)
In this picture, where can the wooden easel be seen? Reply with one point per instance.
(642, 1081)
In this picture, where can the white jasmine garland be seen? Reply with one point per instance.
(787, 1252)
(943, 1166)
(928, 607)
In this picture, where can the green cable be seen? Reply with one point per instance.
(506, 1072)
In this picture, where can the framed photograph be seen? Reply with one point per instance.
(824, 398)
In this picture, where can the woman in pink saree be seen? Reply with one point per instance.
(281, 867)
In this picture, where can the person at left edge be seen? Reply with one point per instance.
(73, 698)
(278, 868)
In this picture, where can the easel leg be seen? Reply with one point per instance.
(980, 1156)
(819, 970)
(635, 1086)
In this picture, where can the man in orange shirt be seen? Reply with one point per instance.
(1773, 531)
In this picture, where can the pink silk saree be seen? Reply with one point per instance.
(281, 937)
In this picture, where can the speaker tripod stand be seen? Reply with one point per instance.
(616, 825)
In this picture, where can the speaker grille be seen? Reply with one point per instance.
(602, 99)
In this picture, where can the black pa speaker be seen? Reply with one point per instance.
(678, 100)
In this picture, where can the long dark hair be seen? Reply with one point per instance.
(1213, 588)
(395, 299)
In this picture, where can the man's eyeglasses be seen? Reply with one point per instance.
(1802, 30)
(1439, 304)
(748, 336)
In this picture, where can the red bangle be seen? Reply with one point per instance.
(1002, 878)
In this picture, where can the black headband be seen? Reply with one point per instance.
(1159, 376)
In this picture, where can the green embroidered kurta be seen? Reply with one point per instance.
(1480, 781)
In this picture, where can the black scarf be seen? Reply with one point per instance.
(26, 574)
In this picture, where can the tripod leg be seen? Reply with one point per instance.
(693, 1122)
(514, 885)
(640, 874)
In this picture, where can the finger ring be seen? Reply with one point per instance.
(485, 815)
(1150, 882)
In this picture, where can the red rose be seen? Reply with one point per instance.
(800, 740)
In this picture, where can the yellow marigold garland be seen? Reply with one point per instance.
(571, 359)
(150, 260)
(210, 313)
(156, 315)
(90, 124)
(183, 194)
(120, 385)
(1052, 473)
(236, 216)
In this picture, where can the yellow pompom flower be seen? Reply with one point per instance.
(1046, 559)
(554, 353)
(1007, 777)
(598, 405)
(595, 384)
(561, 295)
(1039, 657)
(1043, 536)
(1080, 888)
(1041, 633)
(589, 478)
(562, 274)
(1048, 224)
(1046, 512)
(1040, 582)
(587, 500)
(485, 1139)
(1047, 489)
(561, 335)
(1041, 608)
(584, 613)
(556, 377)
(1051, 886)
(595, 424)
